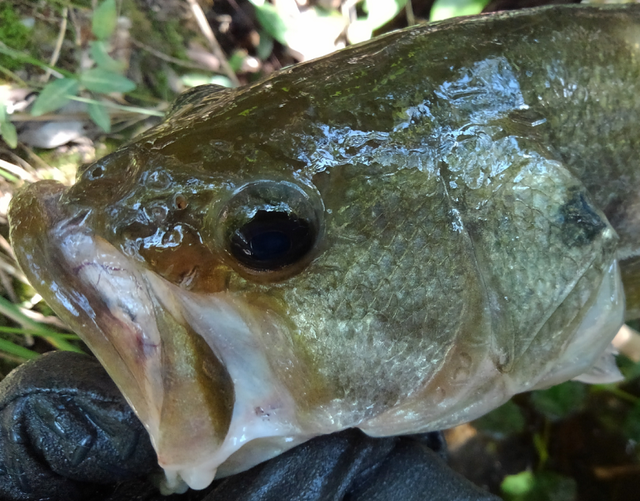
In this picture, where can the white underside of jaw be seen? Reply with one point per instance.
(263, 406)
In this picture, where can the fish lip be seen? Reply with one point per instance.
(42, 201)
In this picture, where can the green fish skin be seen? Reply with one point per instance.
(398, 237)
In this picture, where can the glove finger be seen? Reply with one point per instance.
(414, 472)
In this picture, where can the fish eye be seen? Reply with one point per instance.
(272, 240)
(270, 226)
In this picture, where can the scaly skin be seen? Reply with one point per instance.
(459, 177)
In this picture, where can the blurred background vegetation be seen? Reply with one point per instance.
(79, 78)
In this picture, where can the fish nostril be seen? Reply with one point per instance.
(97, 172)
(181, 202)
(158, 180)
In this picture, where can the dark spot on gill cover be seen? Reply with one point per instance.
(581, 224)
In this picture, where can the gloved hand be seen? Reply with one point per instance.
(65, 427)
(66, 433)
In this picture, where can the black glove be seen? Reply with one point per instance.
(66, 433)
(64, 427)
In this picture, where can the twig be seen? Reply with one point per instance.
(18, 171)
(348, 11)
(35, 158)
(56, 50)
(6, 246)
(627, 342)
(56, 72)
(18, 160)
(8, 286)
(12, 270)
(40, 318)
(615, 472)
(128, 109)
(125, 124)
(411, 18)
(203, 24)
(165, 57)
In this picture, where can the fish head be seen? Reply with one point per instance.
(267, 266)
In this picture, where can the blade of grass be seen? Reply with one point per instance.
(16, 170)
(8, 51)
(12, 75)
(132, 109)
(10, 310)
(9, 177)
(21, 331)
(17, 350)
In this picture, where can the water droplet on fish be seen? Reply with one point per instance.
(156, 214)
(173, 237)
(158, 180)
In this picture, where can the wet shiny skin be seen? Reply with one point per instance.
(453, 180)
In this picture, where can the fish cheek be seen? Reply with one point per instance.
(196, 384)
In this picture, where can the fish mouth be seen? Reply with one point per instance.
(192, 366)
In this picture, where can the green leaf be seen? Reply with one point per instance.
(195, 79)
(104, 19)
(503, 421)
(10, 310)
(236, 60)
(99, 54)
(444, 9)
(518, 485)
(105, 81)
(100, 115)
(560, 401)
(265, 47)
(381, 12)
(9, 134)
(271, 20)
(222, 81)
(545, 486)
(55, 95)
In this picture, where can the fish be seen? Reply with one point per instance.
(396, 237)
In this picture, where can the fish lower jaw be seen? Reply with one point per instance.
(263, 420)
(246, 445)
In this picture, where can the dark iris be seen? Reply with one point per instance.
(272, 240)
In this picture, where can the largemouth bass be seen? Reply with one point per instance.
(397, 237)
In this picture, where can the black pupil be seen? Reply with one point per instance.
(272, 240)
